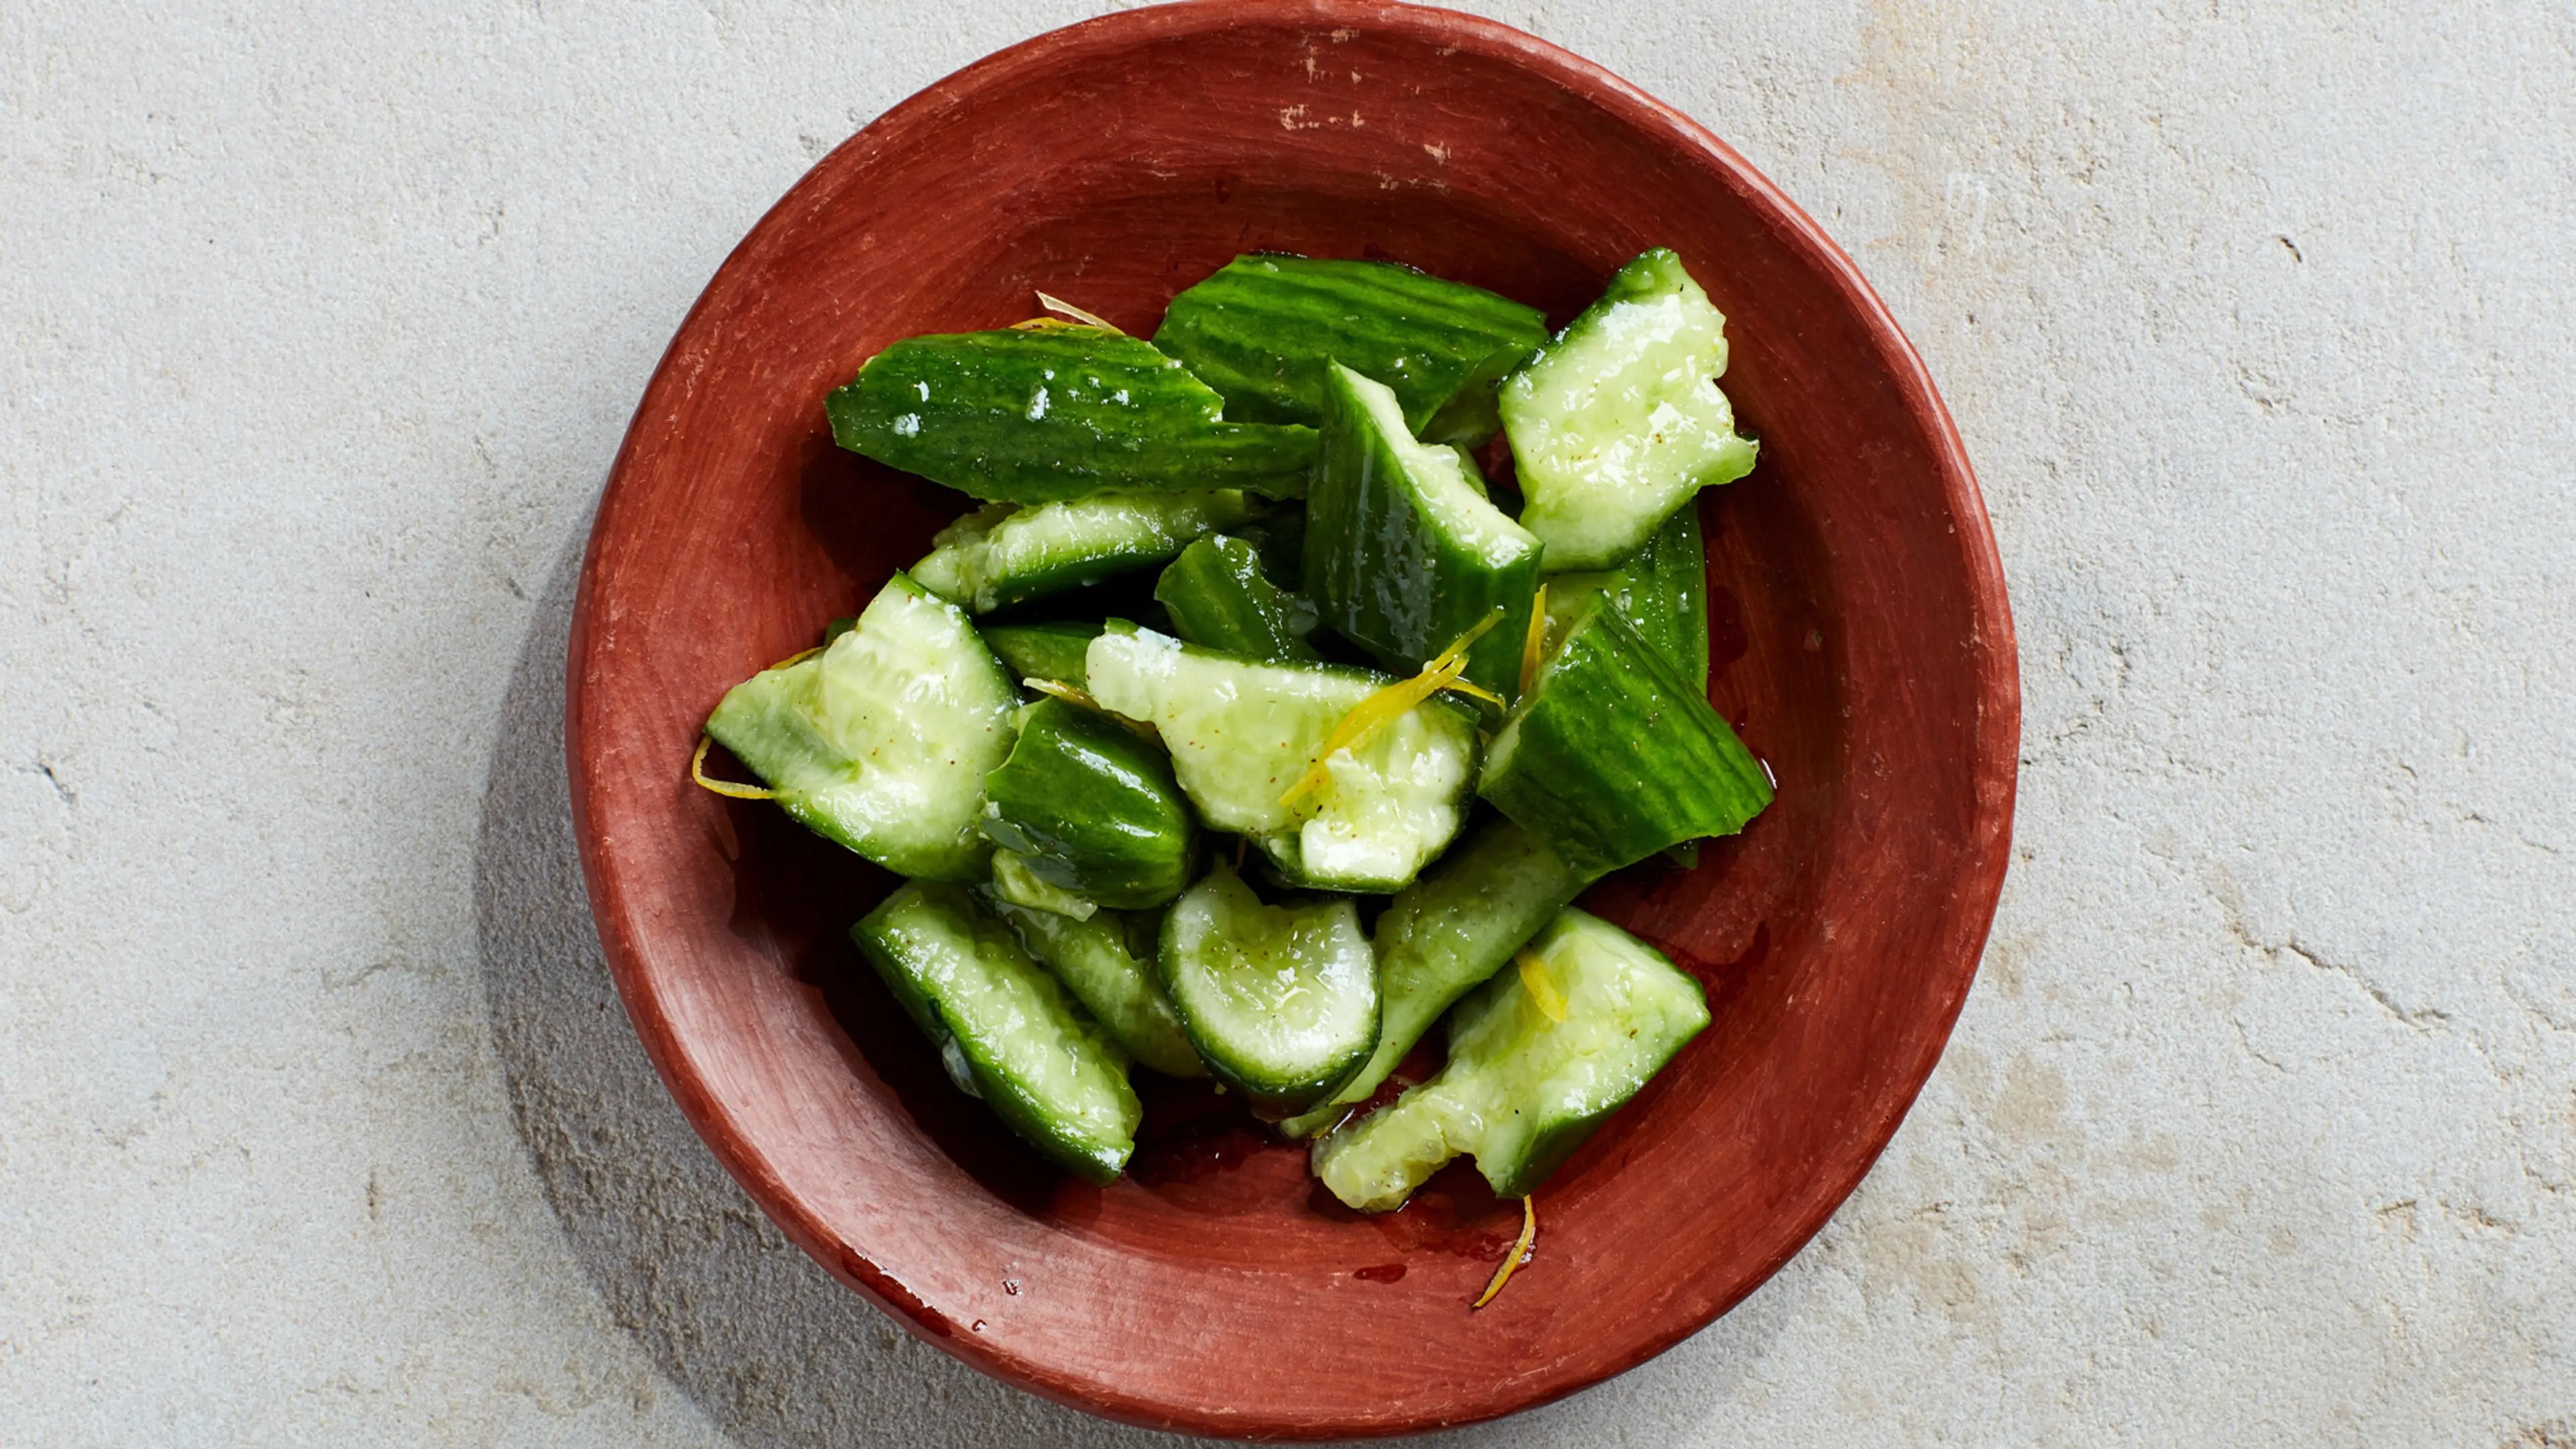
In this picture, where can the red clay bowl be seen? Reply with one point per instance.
(1862, 643)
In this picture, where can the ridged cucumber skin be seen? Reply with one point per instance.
(882, 741)
(1042, 414)
(1042, 651)
(1220, 599)
(1662, 591)
(1091, 807)
(1242, 731)
(1005, 554)
(1097, 962)
(1404, 553)
(1280, 1001)
(1619, 420)
(1261, 329)
(1043, 1066)
(1613, 756)
(1444, 935)
(1523, 1090)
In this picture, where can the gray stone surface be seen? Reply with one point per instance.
(319, 1125)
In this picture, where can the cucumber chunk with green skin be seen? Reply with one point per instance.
(1662, 591)
(1242, 731)
(1005, 1027)
(1612, 755)
(1098, 962)
(1040, 414)
(1089, 806)
(1261, 329)
(1531, 1072)
(1041, 651)
(1619, 420)
(1445, 934)
(1280, 1001)
(1404, 553)
(1004, 554)
(1015, 883)
(882, 740)
(1220, 599)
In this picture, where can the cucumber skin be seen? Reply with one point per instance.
(1041, 651)
(1043, 414)
(1219, 599)
(1385, 570)
(1097, 963)
(1209, 1036)
(1261, 329)
(1605, 445)
(1092, 807)
(781, 706)
(1662, 591)
(1613, 756)
(1443, 936)
(986, 560)
(916, 907)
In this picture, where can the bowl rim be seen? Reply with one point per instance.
(1994, 770)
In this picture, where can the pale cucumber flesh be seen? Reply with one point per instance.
(882, 740)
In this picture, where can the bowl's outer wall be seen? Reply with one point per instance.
(1863, 646)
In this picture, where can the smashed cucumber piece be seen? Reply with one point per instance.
(1613, 756)
(882, 739)
(1106, 961)
(1263, 328)
(1088, 806)
(1280, 1000)
(1005, 1027)
(1538, 1058)
(1404, 552)
(1052, 411)
(1619, 420)
(1443, 936)
(1005, 554)
(1242, 732)
(1220, 599)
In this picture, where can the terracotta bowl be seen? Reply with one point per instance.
(1862, 643)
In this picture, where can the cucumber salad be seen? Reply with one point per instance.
(1246, 732)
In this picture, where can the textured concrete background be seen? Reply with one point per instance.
(318, 1122)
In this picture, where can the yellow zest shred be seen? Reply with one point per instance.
(799, 657)
(1520, 1251)
(1064, 308)
(1541, 986)
(1476, 691)
(1082, 700)
(1392, 702)
(1063, 691)
(1535, 641)
(731, 790)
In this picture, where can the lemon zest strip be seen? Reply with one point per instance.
(1541, 986)
(730, 789)
(1064, 308)
(1520, 1250)
(1535, 641)
(1389, 703)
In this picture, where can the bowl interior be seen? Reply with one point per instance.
(1859, 642)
